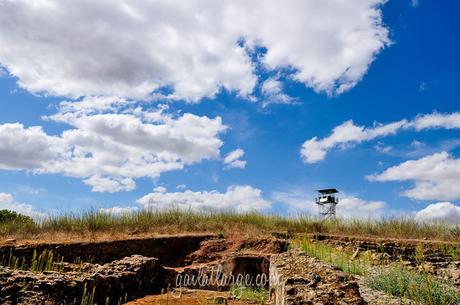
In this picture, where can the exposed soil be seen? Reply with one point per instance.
(170, 250)
(140, 268)
(132, 275)
(296, 278)
(193, 297)
(110, 268)
(215, 249)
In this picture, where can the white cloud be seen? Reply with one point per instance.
(272, 93)
(436, 120)
(232, 159)
(344, 135)
(348, 134)
(417, 149)
(29, 148)
(296, 201)
(160, 189)
(441, 212)
(131, 49)
(7, 202)
(349, 206)
(110, 150)
(356, 207)
(238, 198)
(110, 185)
(436, 177)
(381, 148)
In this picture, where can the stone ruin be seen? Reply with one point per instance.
(133, 272)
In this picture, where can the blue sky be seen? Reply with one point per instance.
(260, 89)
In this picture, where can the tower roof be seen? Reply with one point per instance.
(328, 191)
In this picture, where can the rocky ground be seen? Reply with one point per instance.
(111, 282)
(139, 270)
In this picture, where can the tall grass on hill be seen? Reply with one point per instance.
(177, 221)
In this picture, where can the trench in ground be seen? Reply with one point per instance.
(192, 257)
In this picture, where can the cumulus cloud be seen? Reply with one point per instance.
(436, 177)
(8, 202)
(110, 185)
(238, 198)
(109, 150)
(349, 134)
(29, 148)
(349, 206)
(135, 49)
(272, 93)
(232, 159)
(441, 212)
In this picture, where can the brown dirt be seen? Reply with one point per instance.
(69, 238)
(183, 254)
(215, 249)
(170, 250)
(192, 297)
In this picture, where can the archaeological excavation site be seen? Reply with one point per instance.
(279, 269)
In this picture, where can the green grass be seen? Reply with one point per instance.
(259, 295)
(341, 259)
(421, 288)
(176, 221)
(418, 287)
(45, 261)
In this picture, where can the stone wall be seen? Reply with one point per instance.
(296, 279)
(170, 250)
(112, 282)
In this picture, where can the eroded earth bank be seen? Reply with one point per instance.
(200, 269)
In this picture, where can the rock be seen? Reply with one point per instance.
(296, 278)
(130, 276)
(427, 267)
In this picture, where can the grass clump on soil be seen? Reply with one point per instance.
(341, 259)
(420, 288)
(45, 261)
(178, 221)
(259, 295)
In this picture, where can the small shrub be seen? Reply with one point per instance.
(12, 216)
